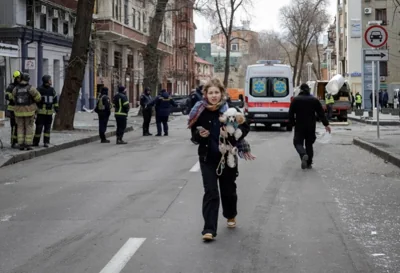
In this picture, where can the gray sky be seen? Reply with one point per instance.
(264, 16)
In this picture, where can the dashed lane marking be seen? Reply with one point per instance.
(195, 168)
(118, 262)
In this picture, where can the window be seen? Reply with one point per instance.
(133, 18)
(139, 21)
(55, 25)
(104, 62)
(43, 21)
(126, 13)
(380, 15)
(30, 15)
(130, 61)
(234, 47)
(272, 87)
(65, 28)
(383, 69)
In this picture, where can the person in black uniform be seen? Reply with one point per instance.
(163, 104)
(145, 103)
(10, 106)
(121, 105)
(302, 116)
(46, 108)
(103, 110)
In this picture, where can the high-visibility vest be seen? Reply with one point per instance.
(358, 98)
(329, 99)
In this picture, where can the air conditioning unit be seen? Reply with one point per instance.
(383, 78)
(368, 11)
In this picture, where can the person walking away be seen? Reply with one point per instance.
(302, 115)
(163, 104)
(25, 97)
(329, 102)
(358, 100)
(10, 106)
(103, 110)
(47, 106)
(145, 103)
(205, 117)
(385, 99)
(121, 105)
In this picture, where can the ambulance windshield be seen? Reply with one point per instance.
(275, 87)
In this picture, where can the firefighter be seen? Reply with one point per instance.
(25, 97)
(10, 106)
(329, 102)
(145, 103)
(103, 110)
(121, 105)
(46, 108)
(358, 100)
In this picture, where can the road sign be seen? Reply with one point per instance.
(376, 55)
(376, 36)
(30, 64)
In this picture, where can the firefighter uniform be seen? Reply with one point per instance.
(329, 102)
(25, 107)
(47, 106)
(10, 107)
(121, 105)
(358, 100)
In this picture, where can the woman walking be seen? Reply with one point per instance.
(205, 117)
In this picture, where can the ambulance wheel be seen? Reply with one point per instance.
(289, 128)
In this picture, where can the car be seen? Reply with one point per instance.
(375, 35)
(182, 102)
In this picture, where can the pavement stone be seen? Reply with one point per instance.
(86, 131)
(384, 119)
(387, 148)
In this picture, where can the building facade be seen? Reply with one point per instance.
(43, 33)
(204, 71)
(179, 69)
(352, 20)
(121, 30)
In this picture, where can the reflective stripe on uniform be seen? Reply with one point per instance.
(25, 114)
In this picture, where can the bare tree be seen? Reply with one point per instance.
(269, 46)
(303, 21)
(75, 73)
(223, 13)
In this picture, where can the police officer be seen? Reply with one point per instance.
(302, 115)
(46, 108)
(103, 110)
(358, 100)
(25, 97)
(145, 103)
(163, 104)
(329, 102)
(121, 105)
(10, 106)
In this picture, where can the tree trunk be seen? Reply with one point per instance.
(303, 53)
(296, 62)
(151, 55)
(227, 61)
(75, 73)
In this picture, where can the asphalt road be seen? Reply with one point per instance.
(137, 208)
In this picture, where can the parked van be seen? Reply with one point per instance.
(268, 94)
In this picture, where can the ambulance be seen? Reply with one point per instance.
(268, 93)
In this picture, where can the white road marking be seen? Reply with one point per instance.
(378, 254)
(118, 262)
(195, 168)
(5, 218)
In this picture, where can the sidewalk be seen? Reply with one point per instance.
(387, 148)
(384, 119)
(86, 131)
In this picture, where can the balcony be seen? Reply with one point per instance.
(183, 17)
(183, 43)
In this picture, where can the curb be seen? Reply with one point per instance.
(44, 151)
(382, 153)
(381, 122)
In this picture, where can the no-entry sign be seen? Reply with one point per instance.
(376, 36)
